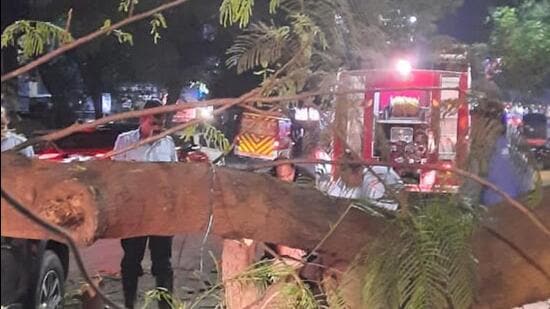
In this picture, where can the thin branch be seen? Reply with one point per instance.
(152, 139)
(131, 10)
(177, 128)
(87, 38)
(331, 231)
(69, 19)
(177, 107)
(63, 234)
(516, 249)
(520, 207)
(117, 117)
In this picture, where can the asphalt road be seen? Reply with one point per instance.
(103, 258)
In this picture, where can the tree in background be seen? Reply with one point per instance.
(521, 36)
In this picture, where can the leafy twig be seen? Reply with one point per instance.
(69, 19)
(87, 38)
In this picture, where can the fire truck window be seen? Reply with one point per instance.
(356, 128)
(396, 105)
(264, 127)
(448, 120)
(447, 141)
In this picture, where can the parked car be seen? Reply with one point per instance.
(82, 146)
(34, 271)
(535, 132)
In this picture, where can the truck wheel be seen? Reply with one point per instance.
(50, 291)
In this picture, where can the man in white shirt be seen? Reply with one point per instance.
(11, 139)
(163, 150)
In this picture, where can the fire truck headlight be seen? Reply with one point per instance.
(404, 67)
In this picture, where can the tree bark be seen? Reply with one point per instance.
(237, 257)
(107, 199)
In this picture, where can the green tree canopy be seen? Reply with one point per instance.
(521, 36)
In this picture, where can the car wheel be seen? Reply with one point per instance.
(50, 285)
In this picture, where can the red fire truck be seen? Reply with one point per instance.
(407, 116)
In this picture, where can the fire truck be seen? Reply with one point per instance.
(263, 137)
(406, 117)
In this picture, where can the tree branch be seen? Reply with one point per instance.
(516, 249)
(177, 128)
(69, 19)
(173, 197)
(131, 10)
(87, 38)
(177, 107)
(520, 207)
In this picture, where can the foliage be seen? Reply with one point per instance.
(240, 11)
(34, 37)
(160, 294)
(125, 5)
(287, 51)
(426, 262)
(158, 22)
(521, 36)
(294, 293)
(261, 45)
(214, 138)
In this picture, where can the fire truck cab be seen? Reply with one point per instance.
(263, 137)
(408, 117)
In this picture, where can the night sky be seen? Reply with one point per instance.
(468, 22)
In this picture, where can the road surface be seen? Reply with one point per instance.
(103, 258)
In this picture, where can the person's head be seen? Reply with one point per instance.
(151, 124)
(285, 172)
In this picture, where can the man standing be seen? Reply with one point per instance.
(162, 150)
(10, 139)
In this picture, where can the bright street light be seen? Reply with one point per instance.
(412, 19)
(404, 67)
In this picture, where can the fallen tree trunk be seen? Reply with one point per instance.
(105, 199)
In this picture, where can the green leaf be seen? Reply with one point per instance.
(106, 24)
(32, 37)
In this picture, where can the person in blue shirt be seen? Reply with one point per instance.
(507, 170)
